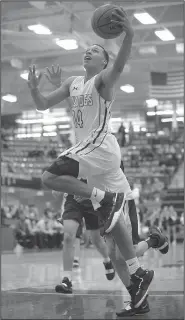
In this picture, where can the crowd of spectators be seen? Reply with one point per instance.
(167, 219)
(30, 229)
(151, 164)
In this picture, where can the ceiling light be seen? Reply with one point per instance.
(144, 18)
(151, 113)
(16, 63)
(9, 98)
(171, 119)
(67, 44)
(29, 135)
(49, 134)
(164, 112)
(39, 29)
(50, 120)
(180, 47)
(49, 128)
(24, 75)
(64, 126)
(165, 35)
(151, 103)
(160, 112)
(127, 88)
(148, 50)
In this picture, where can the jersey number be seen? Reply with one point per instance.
(77, 118)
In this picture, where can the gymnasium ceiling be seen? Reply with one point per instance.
(21, 47)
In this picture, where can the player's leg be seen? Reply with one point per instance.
(141, 278)
(77, 247)
(100, 245)
(72, 218)
(93, 224)
(121, 268)
(63, 175)
(156, 238)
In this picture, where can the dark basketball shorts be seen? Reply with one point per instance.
(74, 210)
(77, 211)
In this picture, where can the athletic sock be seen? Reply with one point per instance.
(152, 242)
(133, 265)
(105, 260)
(67, 274)
(76, 259)
(97, 195)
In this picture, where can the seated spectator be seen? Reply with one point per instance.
(49, 231)
(172, 216)
(31, 223)
(11, 211)
(182, 218)
(172, 222)
(52, 153)
(58, 231)
(22, 234)
(33, 211)
(164, 216)
(3, 215)
(158, 185)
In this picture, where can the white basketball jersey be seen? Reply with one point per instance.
(91, 113)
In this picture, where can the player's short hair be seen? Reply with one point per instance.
(106, 55)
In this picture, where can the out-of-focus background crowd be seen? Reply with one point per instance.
(147, 114)
(153, 165)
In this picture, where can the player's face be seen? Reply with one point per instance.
(94, 57)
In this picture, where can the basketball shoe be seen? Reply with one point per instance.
(161, 242)
(141, 281)
(65, 286)
(129, 310)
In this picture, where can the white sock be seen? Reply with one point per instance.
(133, 265)
(106, 260)
(67, 274)
(97, 195)
(76, 258)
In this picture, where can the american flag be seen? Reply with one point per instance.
(167, 85)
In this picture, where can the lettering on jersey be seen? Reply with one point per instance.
(82, 101)
(75, 88)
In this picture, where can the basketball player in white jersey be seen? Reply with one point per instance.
(96, 156)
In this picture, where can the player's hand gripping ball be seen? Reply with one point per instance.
(109, 21)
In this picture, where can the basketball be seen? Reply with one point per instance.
(101, 22)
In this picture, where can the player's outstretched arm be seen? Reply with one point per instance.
(112, 74)
(44, 103)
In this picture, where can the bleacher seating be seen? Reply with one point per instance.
(174, 197)
(142, 160)
(17, 157)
